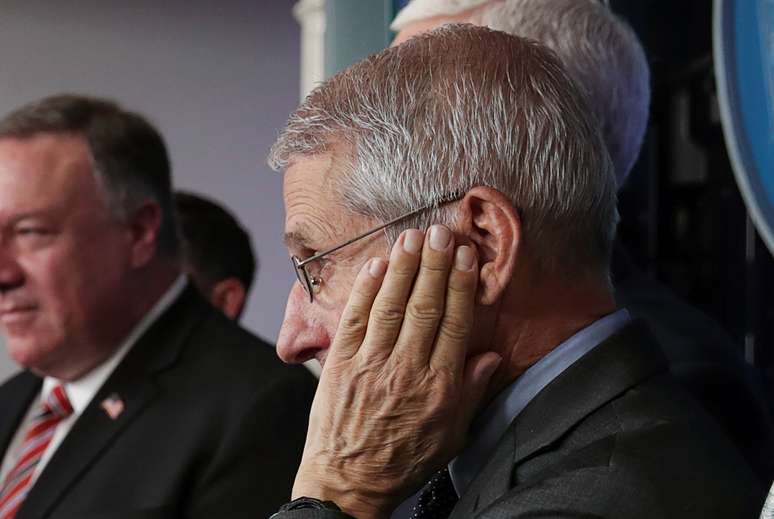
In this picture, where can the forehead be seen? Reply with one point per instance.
(314, 215)
(45, 170)
(308, 205)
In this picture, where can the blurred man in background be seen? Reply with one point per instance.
(604, 57)
(137, 399)
(217, 252)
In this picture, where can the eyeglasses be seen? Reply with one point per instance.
(311, 284)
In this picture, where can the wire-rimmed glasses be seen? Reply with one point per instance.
(311, 283)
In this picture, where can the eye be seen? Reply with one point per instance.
(33, 236)
(316, 267)
(31, 231)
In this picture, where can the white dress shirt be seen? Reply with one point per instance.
(80, 392)
(768, 506)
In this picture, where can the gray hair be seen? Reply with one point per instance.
(598, 49)
(460, 107)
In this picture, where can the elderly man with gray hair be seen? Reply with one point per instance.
(502, 311)
(604, 57)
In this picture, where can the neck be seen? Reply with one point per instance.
(538, 315)
(150, 286)
(142, 292)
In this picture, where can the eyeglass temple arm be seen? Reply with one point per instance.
(372, 231)
(356, 238)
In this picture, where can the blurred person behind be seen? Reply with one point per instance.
(217, 252)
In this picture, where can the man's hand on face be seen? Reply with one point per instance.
(398, 390)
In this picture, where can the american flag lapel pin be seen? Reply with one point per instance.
(113, 406)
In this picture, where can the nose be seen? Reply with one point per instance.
(302, 335)
(11, 274)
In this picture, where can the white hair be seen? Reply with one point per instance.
(598, 49)
(460, 107)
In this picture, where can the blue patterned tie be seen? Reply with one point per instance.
(437, 499)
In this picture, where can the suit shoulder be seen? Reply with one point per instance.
(638, 456)
(667, 437)
(225, 349)
(19, 384)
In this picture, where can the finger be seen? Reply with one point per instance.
(453, 337)
(425, 306)
(390, 303)
(354, 319)
(478, 374)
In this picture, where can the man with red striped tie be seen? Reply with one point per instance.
(138, 399)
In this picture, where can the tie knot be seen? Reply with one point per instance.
(57, 403)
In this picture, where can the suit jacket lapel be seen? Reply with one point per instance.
(17, 395)
(133, 382)
(617, 364)
(493, 481)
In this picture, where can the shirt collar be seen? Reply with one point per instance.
(490, 425)
(81, 391)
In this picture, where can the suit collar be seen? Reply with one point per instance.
(495, 420)
(133, 385)
(622, 361)
(17, 395)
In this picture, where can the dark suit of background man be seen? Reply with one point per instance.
(605, 58)
(138, 399)
(581, 417)
(217, 252)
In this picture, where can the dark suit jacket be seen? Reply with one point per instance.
(613, 436)
(213, 427)
(705, 362)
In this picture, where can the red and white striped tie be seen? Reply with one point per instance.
(18, 482)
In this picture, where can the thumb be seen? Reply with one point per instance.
(478, 373)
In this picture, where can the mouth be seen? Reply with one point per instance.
(16, 314)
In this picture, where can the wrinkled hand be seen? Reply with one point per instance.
(397, 392)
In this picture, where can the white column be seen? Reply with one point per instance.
(311, 16)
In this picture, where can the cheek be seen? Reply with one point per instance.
(73, 284)
(311, 326)
(35, 342)
(50, 280)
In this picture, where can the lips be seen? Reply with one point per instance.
(16, 313)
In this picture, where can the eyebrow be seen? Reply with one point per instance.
(297, 238)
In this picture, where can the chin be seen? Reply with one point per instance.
(27, 359)
(30, 353)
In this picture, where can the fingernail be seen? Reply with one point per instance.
(439, 237)
(464, 259)
(412, 241)
(377, 267)
(493, 367)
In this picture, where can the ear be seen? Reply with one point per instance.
(493, 225)
(144, 227)
(228, 296)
